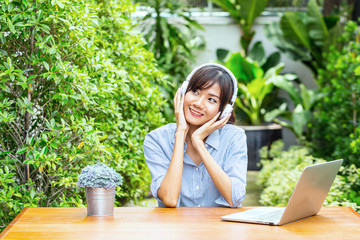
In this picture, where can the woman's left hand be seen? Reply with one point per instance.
(205, 130)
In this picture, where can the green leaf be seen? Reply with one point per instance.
(357, 71)
(31, 141)
(52, 51)
(243, 70)
(32, 193)
(221, 54)
(60, 4)
(318, 31)
(29, 110)
(11, 26)
(294, 28)
(275, 34)
(28, 161)
(44, 151)
(300, 118)
(289, 87)
(250, 10)
(259, 88)
(22, 150)
(44, 137)
(270, 116)
(307, 97)
(331, 21)
(9, 62)
(52, 144)
(271, 61)
(46, 65)
(257, 53)
(52, 123)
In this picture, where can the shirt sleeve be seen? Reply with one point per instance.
(158, 163)
(236, 167)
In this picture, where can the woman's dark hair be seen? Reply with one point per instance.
(206, 77)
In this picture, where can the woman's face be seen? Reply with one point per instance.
(201, 106)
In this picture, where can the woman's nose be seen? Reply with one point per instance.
(199, 102)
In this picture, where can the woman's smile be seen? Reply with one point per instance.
(195, 113)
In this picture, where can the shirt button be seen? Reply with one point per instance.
(199, 205)
(197, 169)
(197, 188)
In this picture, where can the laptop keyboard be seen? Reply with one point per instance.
(268, 217)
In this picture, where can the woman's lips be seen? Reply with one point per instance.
(195, 113)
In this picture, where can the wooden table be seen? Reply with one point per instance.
(175, 223)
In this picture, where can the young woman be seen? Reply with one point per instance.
(201, 160)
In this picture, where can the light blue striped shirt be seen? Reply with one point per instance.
(228, 148)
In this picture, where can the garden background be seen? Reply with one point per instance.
(84, 81)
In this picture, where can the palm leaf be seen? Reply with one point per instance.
(317, 28)
(250, 10)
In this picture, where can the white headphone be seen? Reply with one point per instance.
(229, 107)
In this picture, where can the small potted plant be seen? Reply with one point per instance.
(100, 183)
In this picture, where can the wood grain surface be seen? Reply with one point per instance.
(175, 223)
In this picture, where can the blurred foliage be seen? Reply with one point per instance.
(305, 36)
(244, 13)
(173, 36)
(287, 3)
(282, 169)
(301, 116)
(256, 75)
(335, 130)
(76, 87)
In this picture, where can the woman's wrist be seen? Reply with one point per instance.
(197, 142)
(181, 134)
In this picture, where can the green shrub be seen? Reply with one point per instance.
(280, 160)
(279, 176)
(305, 35)
(76, 87)
(336, 124)
(345, 189)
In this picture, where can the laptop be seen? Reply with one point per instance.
(305, 201)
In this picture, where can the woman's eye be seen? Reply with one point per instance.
(195, 92)
(212, 100)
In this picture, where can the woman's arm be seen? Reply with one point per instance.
(221, 180)
(170, 187)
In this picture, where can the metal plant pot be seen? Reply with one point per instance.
(100, 201)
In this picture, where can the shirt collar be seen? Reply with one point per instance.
(213, 139)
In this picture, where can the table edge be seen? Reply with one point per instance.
(13, 222)
(355, 212)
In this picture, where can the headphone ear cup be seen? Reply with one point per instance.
(184, 87)
(227, 110)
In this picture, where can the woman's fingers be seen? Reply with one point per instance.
(177, 100)
(220, 123)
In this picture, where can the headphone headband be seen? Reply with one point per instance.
(233, 98)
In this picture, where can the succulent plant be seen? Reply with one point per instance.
(99, 176)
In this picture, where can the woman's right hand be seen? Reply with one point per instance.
(181, 123)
